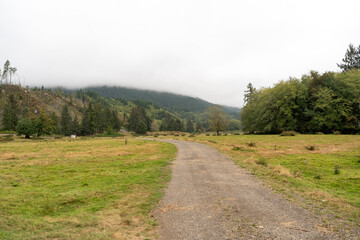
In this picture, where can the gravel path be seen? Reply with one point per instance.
(209, 197)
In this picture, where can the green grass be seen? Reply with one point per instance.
(96, 188)
(287, 165)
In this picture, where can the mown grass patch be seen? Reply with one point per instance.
(86, 188)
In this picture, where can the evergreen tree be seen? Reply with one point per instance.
(116, 123)
(351, 59)
(10, 119)
(55, 120)
(199, 127)
(88, 126)
(138, 116)
(189, 126)
(75, 126)
(65, 121)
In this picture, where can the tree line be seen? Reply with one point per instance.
(316, 102)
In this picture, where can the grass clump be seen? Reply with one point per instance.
(237, 148)
(310, 147)
(262, 161)
(251, 144)
(337, 169)
(288, 133)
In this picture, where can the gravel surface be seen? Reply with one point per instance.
(209, 197)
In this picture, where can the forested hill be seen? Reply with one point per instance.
(170, 101)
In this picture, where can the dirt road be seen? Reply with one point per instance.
(209, 197)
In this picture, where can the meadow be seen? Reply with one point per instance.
(319, 171)
(87, 188)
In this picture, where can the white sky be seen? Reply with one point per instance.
(202, 48)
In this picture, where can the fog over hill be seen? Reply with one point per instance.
(171, 101)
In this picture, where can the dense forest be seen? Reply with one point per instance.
(45, 111)
(179, 104)
(327, 103)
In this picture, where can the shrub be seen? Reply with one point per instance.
(25, 127)
(251, 144)
(319, 133)
(191, 135)
(336, 132)
(207, 134)
(288, 133)
(317, 177)
(236, 133)
(337, 169)
(238, 148)
(310, 147)
(261, 161)
(212, 141)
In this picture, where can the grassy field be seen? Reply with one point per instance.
(91, 188)
(322, 169)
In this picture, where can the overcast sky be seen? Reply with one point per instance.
(203, 48)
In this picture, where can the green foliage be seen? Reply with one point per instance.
(351, 59)
(44, 124)
(66, 121)
(10, 119)
(217, 119)
(316, 103)
(88, 125)
(189, 126)
(25, 127)
(337, 169)
(139, 122)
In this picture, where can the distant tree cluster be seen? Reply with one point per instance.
(315, 103)
(96, 119)
(171, 123)
(42, 125)
(139, 121)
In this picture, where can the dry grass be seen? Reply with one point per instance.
(90, 188)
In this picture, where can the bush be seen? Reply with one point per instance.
(336, 132)
(238, 148)
(236, 133)
(25, 127)
(288, 133)
(207, 134)
(318, 177)
(251, 144)
(337, 169)
(310, 147)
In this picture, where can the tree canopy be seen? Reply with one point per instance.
(315, 103)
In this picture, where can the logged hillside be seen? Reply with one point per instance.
(39, 104)
(31, 103)
(174, 102)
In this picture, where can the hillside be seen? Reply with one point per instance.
(174, 102)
